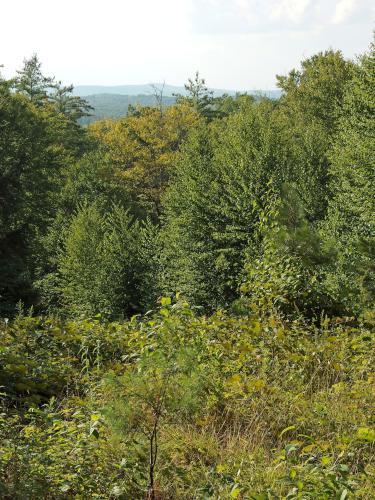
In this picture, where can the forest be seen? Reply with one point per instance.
(187, 291)
(114, 102)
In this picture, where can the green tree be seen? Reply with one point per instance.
(61, 108)
(226, 104)
(32, 83)
(316, 90)
(199, 97)
(165, 387)
(30, 176)
(150, 264)
(285, 267)
(91, 180)
(74, 107)
(98, 267)
(307, 121)
(350, 222)
(211, 209)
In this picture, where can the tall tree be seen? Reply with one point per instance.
(38, 144)
(307, 121)
(211, 209)
(73, 107)
(32, 83)
(30, 167)
(351, 221)
(199, 97)
(143, 148)
(316, 90)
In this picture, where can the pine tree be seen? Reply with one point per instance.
(74, 107)
(32, 83)
(199, 97)
(98, 266)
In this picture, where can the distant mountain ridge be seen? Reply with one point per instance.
(168, 90)
(116, 105)
(113, 101)
(130, 90)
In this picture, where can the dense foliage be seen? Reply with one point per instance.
(244, 407)
(259, 382)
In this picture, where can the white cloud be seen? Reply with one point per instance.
(235, 44)
(343, 10)
(264, 16)
(289, 10)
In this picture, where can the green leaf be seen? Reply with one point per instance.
(343, 468)
(165, 301)
(325, 460)
(366, 434)
(289, 448)
(235, 491)
(300, 485)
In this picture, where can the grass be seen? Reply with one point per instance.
(258, 407)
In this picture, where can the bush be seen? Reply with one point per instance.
(253, 406)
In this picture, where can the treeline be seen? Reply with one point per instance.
(225, 199)
(117, 105)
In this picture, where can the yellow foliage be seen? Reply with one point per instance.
(143, 147)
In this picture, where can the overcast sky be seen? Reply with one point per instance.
(235, 44)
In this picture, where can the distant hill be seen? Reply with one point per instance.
(147, 89)
(129, 90)
(116, 105)
(113, 101)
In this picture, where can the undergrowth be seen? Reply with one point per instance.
(180, 406)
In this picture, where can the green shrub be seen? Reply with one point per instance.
(249, 406)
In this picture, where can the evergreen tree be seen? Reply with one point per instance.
(199, 97)
(73, 107)
(98, 270)
(32, 83)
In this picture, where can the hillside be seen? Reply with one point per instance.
(113, 101)
(187, 293)
(147, 89)
(116, 105)
(250, 407)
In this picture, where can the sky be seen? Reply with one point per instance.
(235, 44)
